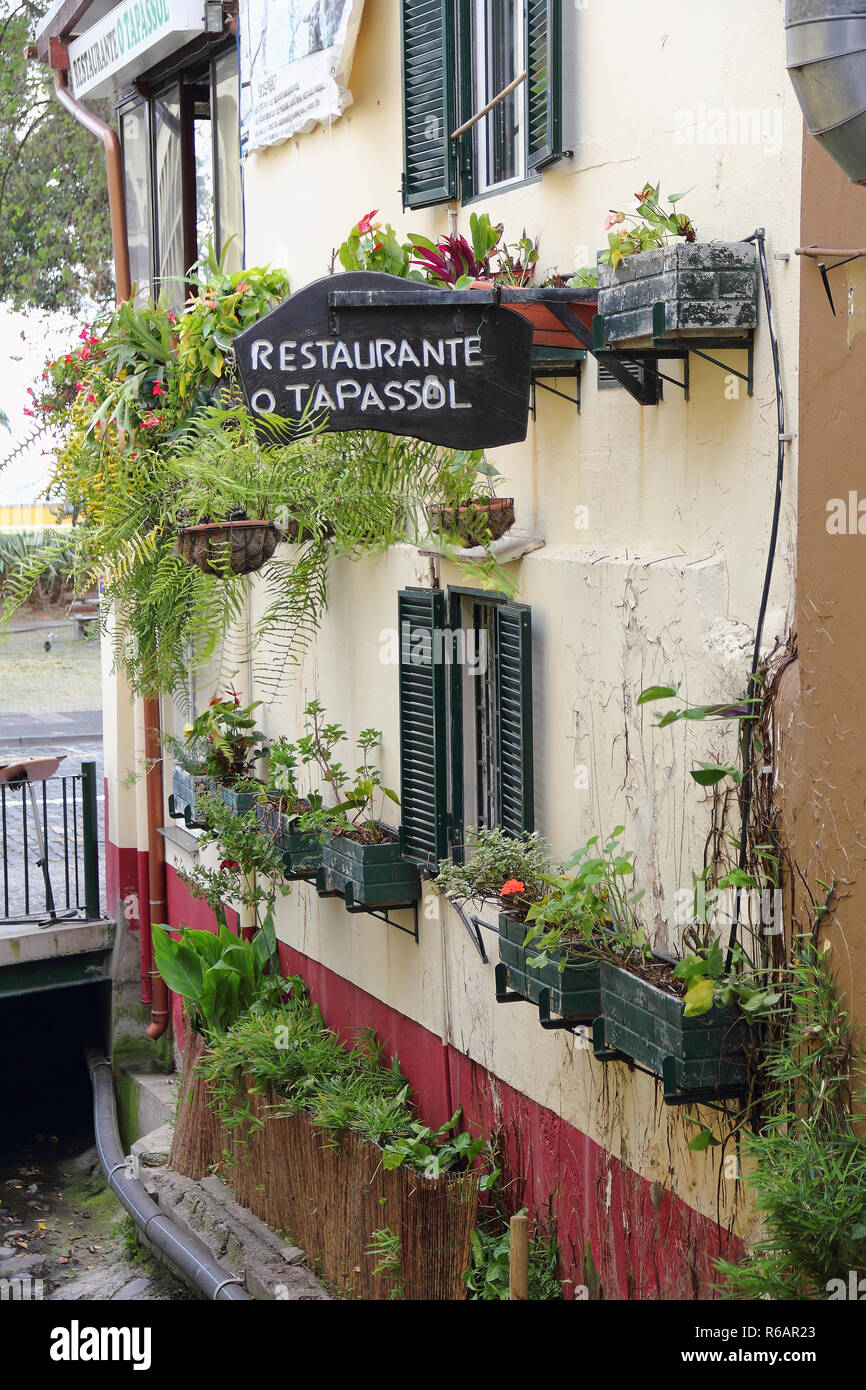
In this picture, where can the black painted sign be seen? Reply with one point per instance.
(374, 352)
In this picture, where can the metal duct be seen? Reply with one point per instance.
(827, 65)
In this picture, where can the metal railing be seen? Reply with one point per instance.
(49, 848)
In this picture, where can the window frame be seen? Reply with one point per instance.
(451, 82)
(445, 788)
(193, 80)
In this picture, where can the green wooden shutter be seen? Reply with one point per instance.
(429, 156)
(514, 696)
(423, 778)
(543, 81)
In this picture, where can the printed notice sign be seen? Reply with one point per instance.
(349, 353)
(296, 59)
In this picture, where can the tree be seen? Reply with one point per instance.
(55, 238)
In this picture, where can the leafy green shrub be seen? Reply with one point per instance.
(810, 1174)
(495, 858)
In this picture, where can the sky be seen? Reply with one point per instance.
(25, 342)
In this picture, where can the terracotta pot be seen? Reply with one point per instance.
(252, 544)
(547, 330)
(474, 521)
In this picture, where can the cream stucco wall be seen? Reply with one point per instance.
(664, 583)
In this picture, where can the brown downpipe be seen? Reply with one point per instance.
(152, 750)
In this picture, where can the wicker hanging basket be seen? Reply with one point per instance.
(251, 543)
(475, 521)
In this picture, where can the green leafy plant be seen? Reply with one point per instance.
(342, 1086)
(386, 1248)
(355, 800)
(645, 225)
(373, 245)
(593, 908)
(219, 977)
(809, 1177)
(226, 733)
(494, 859)
(436, 1151)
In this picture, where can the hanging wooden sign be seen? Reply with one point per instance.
(365, 351)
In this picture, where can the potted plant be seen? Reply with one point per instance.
(658, 1014)
(282, 806)
(556, 944)
(190, 778)
(227, 731)
(465, 512)
(361, 856)
(490, 858)
(656, 280)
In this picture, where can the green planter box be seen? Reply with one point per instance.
(186, 787)
(302, 854)
(375, 875)
(683, 290)
(238, 802)
(704, 1054)
(574, 991)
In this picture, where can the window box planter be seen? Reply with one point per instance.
(186, 788)
(302, 854)
(238, 802)
(703, 1055)
(474, 521)
(533, 302)
(374, 875)
(573, 993)
(700, 290)
(251, 544)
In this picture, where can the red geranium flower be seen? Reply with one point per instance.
(513, 885)
(229, 864)
(158, 389)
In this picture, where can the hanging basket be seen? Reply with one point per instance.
(251, 543)
(475, 521)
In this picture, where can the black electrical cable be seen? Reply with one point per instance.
(748, 773)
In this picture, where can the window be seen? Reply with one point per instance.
(181, 156)
(457, 56)
(465, 718)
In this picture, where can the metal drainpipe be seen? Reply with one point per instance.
(152, 751)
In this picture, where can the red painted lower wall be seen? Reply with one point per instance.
(622, 1236)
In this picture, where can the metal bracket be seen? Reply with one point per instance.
(504, 995)
(380, 913)
(473, 927)
(537, 379)
(600, 1048)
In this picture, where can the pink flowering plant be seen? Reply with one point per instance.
(644, 224)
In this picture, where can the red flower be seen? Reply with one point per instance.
(158, 389)
(242, 289)
(150, 422)
(91, 399)
(229, 864)
(366, 222)
(27, 412)
(215, 701)
(513, 885)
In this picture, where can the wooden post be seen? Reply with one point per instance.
(518, 1269)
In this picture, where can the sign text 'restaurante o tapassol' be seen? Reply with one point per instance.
(449, 373)
(131, 37)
